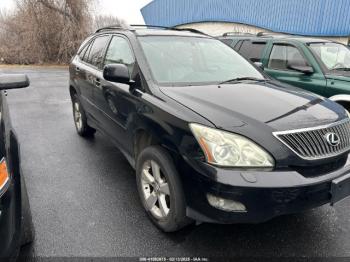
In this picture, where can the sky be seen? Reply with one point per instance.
(129, 10)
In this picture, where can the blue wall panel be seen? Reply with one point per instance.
(304, 17)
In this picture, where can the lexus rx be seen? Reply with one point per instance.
(211, 137)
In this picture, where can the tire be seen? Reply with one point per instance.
(169, 210)
(80, 120)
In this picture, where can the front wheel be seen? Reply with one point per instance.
(160, 189)
(80, 120)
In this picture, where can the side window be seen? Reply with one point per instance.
(96, 53)
(252, 50)
(284, 56)
(119, 52)
(83, 51)
(227, 41)
(238, 45)
(85, 57)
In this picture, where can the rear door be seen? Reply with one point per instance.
(281, 55)
(78, 72)
(91, 70)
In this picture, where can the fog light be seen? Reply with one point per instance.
(226, 204)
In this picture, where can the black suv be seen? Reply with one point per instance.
(16, 228)
(212, 138)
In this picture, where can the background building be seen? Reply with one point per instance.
(318, 18)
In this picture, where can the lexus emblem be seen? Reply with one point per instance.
(332, 139)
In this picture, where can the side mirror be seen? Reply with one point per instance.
(13, 81)
(118, 73)
(259, 64)
(308, 70)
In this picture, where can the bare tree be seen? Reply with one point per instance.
(107, 20)
(44, 31)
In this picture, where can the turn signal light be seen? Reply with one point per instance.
(4, 175)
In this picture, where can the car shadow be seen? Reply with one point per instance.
(27, 253)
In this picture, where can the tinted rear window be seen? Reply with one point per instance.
(227, 41)
(252, 50)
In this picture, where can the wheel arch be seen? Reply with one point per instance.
(145, 137)
(343, 100)
(72, 90)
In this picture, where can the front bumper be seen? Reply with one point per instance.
(11, 217)
(265, 194)
(9, 230)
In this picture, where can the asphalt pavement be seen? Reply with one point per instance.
(85, 204)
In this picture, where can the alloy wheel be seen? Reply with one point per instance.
(77, 116)
(155, 190)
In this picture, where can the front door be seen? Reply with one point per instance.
(116, 100)
(278, 65)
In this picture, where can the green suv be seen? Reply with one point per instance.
(320, 66)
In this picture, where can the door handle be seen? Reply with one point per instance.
(97, 82)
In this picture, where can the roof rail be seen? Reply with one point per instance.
(268, 33)
(236, 33)
(111, 27)
(133, 27)
(170, 28)
(192, 30)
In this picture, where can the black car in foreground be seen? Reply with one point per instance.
(16, 227)
(212, 138)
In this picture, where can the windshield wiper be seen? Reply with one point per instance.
(238, 79)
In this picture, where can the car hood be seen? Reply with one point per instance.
(272, 104)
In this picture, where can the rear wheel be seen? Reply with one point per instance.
(80, 120)
(160, 189)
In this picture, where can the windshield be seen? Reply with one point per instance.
(334, 56)
(191, 60)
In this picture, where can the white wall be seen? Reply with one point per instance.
(218, 28)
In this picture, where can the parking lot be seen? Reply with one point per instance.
(84, 199)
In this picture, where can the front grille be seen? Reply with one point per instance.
(312, 144)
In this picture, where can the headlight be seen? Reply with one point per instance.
(230, 150)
